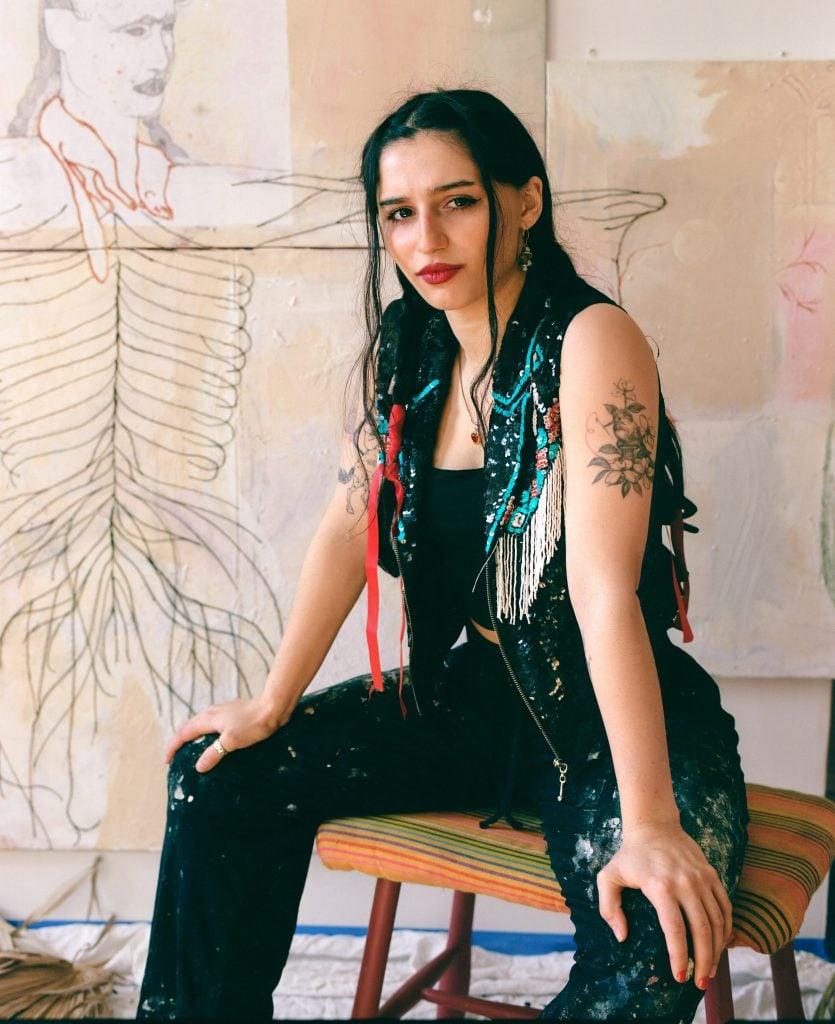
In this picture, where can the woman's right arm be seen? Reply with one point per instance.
(331, 579)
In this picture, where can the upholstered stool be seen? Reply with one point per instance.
(791, 844)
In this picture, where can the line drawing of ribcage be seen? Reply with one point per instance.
(121, 540)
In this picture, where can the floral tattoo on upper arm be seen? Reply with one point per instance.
(624, 446)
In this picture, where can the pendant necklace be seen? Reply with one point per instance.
(475, 434)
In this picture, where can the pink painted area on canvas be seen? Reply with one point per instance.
(806, 286)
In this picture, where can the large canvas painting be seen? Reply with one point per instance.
(702, 196)
(180, 259)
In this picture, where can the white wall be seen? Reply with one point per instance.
(691, 29)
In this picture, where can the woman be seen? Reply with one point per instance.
(514, 466)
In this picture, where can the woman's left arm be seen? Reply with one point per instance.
(609, 412)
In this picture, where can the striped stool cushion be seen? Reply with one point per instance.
(447, 849)
(791, 844)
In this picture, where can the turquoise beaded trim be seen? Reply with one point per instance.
(516, 404)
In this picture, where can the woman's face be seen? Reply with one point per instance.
(434, 218)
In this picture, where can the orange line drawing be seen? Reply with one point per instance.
(93, 176)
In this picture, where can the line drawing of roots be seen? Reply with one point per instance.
(121, 545)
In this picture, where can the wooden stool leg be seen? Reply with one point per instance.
(456, 979)
(786, 986)
(376, 952)
(719, 1003)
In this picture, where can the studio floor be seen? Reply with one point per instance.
(321, 974)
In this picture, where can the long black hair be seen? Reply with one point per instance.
(504, 152)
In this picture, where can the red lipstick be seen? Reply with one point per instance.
(439, 273)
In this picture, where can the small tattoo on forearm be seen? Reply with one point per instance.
(625, 456)
(355, 480)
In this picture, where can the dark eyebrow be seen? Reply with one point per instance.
(448, 187)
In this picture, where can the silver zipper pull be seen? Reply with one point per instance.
(562, 768)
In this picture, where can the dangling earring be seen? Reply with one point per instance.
(525, 257)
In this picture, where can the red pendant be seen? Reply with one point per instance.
(475, 437)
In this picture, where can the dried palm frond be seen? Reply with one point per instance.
(48, 987)
(35, 983)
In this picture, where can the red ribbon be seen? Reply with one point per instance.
(388, 469)
(677, 560)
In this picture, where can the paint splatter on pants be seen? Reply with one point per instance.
(632, 980)
(238, 839)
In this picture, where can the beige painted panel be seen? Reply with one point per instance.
(758, 599)
(347, 70)
(171, 438)
(701, 195)
(716, 202)
(664, 238)
(134, 814)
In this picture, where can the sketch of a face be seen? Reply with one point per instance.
(114, 52)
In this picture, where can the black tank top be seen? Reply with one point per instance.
(454, 540)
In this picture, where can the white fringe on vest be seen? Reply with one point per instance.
(516, 590)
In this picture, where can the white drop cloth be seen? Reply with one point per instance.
(320, 976)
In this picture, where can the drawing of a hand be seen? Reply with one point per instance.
(93, 175)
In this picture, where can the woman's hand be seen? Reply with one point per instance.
(672, 872)
(238, 723)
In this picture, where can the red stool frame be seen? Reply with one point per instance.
(445, 979)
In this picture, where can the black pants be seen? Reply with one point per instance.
(238, 839)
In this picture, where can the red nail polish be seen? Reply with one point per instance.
(702, 983)
(681, 976)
